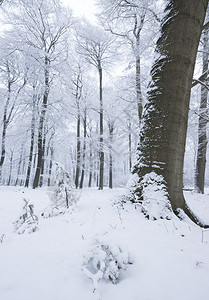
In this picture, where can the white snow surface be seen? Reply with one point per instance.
(170, 257)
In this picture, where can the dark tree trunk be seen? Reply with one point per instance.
(4, 130)
(43, 160)
(84, 149)
(19, 165)
(101, 130)
(90, 164)
(41, 126)
(10, 167)
(32, 140)
(130, 144)
(163, 135)
(78, 152)
(199, 180)
(111, 128)
(50, 164)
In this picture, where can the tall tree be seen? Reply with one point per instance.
(163, 134)
(126, 20)
(199, 179)
(94, 45)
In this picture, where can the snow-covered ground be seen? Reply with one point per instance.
(170, 258)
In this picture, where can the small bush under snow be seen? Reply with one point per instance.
(105, 261)
(28, 221)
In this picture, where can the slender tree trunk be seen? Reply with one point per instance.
(19, 165)
(43, 160)
(163, 135)
(41, 126)
(84, 149)
(199, 180)
(130, 144)
(10, 167)
(111, 128)
(90, 164)
(138, 79)
(101, 131)
(50, 164)
(78, 147)
(32, 140)
(4, 130)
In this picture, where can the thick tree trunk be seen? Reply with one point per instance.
(163, 135)
(101, 131)
(199, 180)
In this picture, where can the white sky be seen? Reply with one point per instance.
(86, 8)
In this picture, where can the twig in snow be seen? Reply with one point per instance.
(2, 237)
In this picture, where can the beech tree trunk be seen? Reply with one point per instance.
(199, 180)
(84, 148)
(163, 135)
(101, 139)
(41, 126)
(32, 140)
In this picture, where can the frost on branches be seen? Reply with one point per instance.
(62, 193)
(28, 221)
(105, 261)
(153, 197)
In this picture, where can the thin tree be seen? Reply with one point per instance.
(95, 45)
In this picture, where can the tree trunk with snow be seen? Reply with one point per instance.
(163, 134)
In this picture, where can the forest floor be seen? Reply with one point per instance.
(170, 258)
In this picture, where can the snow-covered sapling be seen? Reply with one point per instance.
(28, 221)
(105, 261)
(62, 193)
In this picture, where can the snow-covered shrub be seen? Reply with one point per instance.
(62, 194)
(28, 221)
(105, 261)
(155, 202)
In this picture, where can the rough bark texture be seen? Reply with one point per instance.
(199, 180)
(163, 134)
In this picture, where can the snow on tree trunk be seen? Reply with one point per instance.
(163, 133)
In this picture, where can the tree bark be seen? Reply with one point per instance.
(84, 148)
(32, 140)
(163, 135)
(199, 180)
(101, 139)
(41, 125)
